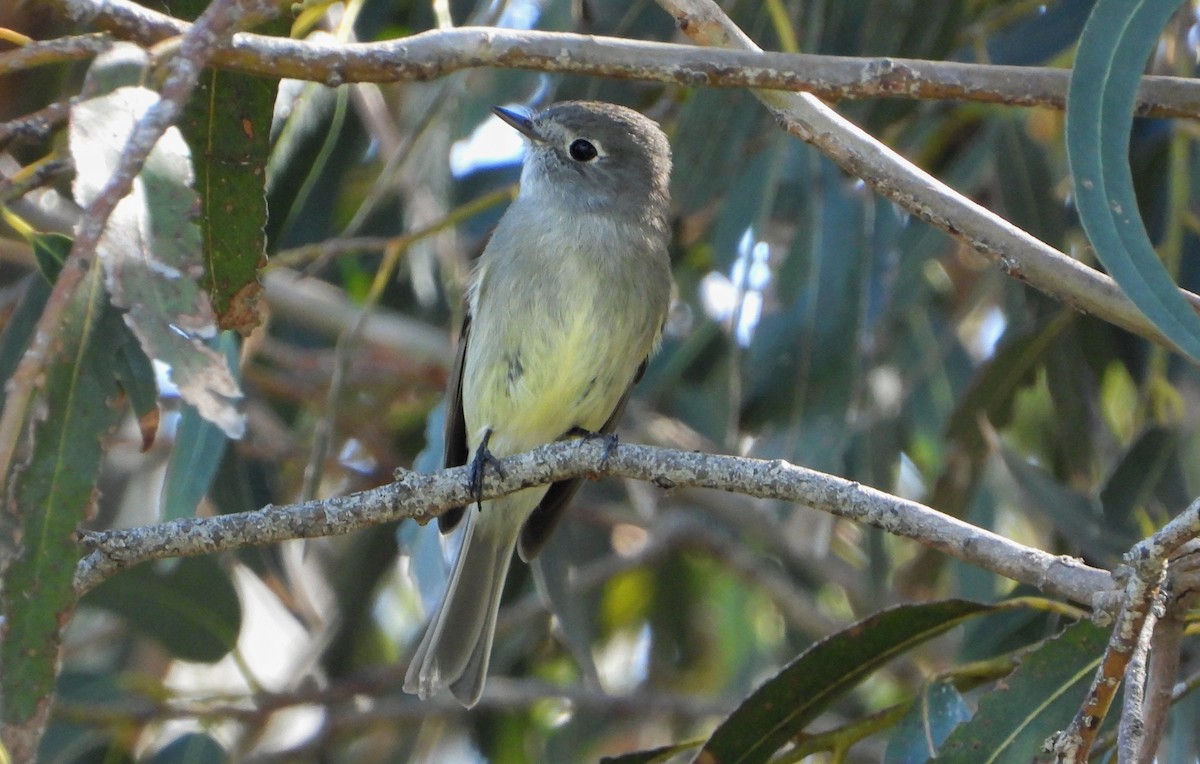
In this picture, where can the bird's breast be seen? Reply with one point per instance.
(557, 337)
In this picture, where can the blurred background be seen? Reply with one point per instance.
(816, 322)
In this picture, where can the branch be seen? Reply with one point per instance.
(56, 51)
(1018, 254)
(183, 72)
(1164, 653)
(1146, 574)
(342, 701)
(36, 126)
(424, 496)
(437, 53)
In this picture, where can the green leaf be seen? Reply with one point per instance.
(20, 326)
(50, 251)
(652, 756)
(782, 707)
(227, 122)
(934, 714)
(151, 250)
(190, 607)
(192, 748)
(709, 124)
(994, 389)
(199, 447)
(1077, 516)
(229, 118)
(1035, 701)
(66, 737)
(52, 490)
(134, 370)
(1136, 477)
(807, 342)
(1025, 181)
(1116, 42)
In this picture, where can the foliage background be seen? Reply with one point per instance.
(816, 323)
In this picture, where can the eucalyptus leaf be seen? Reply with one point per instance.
(1037, 700)
(151, 249)
(1116, 42)
(786, 703)
(191, 607)
(52, 490)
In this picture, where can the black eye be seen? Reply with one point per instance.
(582, 151)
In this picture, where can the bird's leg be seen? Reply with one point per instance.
(611, 440)
(483, 459)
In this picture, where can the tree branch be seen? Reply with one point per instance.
(434, 54)
(424, 496)
(1018, 254)
(55, 51)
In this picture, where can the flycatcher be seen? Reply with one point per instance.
(565, 305)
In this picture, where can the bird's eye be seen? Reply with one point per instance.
(582, 151)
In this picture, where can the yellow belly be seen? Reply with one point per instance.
(550, 380)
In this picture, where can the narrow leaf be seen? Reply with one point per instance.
(52, 489)
(1116, 42)
(228, 123)
(1077, 516)
(199, 447)
(151, 250)
(190, 608)
(934, 714)
(230, 116)
(782, 707)
(1037, 700)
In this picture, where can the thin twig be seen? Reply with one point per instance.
(56, 51)
(1165, 646)
(33, 177)
(1131, 736)
(1074, 744)
(36, 126)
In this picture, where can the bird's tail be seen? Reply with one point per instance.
(458, 643)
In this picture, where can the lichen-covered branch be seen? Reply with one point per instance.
(437, 53)
(424, 496)
(1018, 253)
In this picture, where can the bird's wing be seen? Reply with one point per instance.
(541, 523)
(454, 432)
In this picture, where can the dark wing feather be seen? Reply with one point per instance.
(542, 522)
(454, 431)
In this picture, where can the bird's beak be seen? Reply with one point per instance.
(519, 122)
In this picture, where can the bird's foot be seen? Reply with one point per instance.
(611, 440)
(483, 459)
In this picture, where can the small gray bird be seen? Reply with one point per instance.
(565, 306)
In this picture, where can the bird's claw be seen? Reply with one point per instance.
(611, 440)
(483, 459)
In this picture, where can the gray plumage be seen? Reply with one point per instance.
(565, 305)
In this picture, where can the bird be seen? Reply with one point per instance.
(565, 306)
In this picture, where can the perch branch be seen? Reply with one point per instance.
(424, 496)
